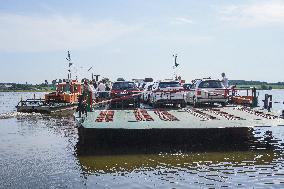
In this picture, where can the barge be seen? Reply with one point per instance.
(155, 130)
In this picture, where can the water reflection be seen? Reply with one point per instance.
(251, 168)
(192, 161)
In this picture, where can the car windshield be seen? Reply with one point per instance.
(169, 84)
(123, 86)
(187, 86)
(211, 84)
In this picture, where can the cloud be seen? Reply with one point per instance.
(182, 20)
(258, 13)
(20, 33)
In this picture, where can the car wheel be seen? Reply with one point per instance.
(223, 104)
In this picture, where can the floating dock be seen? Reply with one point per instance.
(187, 128)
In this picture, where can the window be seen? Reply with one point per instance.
(169, 84)
(211, 84)
(124, 86)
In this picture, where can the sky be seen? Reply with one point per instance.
(137, 39)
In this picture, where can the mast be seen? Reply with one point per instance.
(175, 66)
(69, 65)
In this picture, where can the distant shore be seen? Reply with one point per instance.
(31, 91)
(262, 87)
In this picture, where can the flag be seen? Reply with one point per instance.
(90, 68)
(69, 56)
(176, 64)
(70, 64)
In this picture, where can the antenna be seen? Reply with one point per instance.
(175, 65)
(69, 64)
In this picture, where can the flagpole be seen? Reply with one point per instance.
(175, 66)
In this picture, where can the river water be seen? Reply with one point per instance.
(40, 152)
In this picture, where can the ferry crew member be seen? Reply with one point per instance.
(225, 80)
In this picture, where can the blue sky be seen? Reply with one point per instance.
(136, 39)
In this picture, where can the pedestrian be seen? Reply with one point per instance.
(101, 86)
(225, 80)
(95, 84)
(101, 89)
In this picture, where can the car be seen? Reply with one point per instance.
(167, 92)
(125, 93)
(207, 91)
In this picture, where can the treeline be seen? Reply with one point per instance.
(258, 84)
(24, 87)
(244, 82)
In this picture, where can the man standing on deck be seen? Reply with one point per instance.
(101, 88)
(225, 80)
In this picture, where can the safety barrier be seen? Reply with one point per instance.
(120, 99)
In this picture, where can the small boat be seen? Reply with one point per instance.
(64, 99)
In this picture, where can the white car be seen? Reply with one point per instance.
(167, 92)
(207, 91)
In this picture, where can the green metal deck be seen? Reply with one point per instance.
(125, 119)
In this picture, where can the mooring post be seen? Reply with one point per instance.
(265, 101)
(270, 102)
(255, 98)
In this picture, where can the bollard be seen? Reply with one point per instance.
(267, 102)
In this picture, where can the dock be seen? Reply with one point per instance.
(168, 129)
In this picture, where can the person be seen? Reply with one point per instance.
(101, 89)
(95, 84)
(107, 87)
(225, 80)
(82, 105)
(101, 86)
(92, 90)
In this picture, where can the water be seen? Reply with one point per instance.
(40, 152)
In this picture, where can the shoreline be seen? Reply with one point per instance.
(25, 91)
